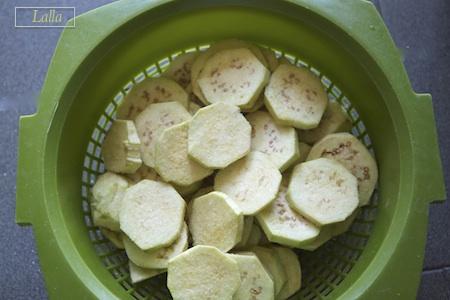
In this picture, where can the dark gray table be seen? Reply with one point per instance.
(421, 28)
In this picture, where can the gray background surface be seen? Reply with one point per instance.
(421, 29)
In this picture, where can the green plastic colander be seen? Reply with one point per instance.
(114, 47)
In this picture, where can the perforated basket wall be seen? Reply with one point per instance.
(323, 270)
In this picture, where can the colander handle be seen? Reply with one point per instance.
(28, 188)
(430, 182)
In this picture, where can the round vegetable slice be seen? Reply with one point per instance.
(352, 154)
(323, 191)
(120, 149)
(218, 135)
(151, 123)
(107, 196)
(145, 172)
(149, 91)
(138, 274)
(172, 160)
(158, 258)
(283, 225)
(329, 231)
(199, 193)
(180, 68)
(291, 266)
(271, 59)
(278, 142)
(152, 214)
(324, 236)
(334, 119)
(236, 43)
(200, 61)
(256, 282)
(342, 227)
(233, 76)
(196, 69)
(252, 182)
(296, 97)
(114, 237)
(214, 220)
(203, 272)
(248, 226)
(273, 265)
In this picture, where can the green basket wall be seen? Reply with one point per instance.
(346, 40)
(322, 269)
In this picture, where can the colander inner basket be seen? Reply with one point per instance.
(323, 270)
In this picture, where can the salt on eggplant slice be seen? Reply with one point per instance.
(157, 258)
(202, 58)
(334, 119)
(233, 76)
(151, 123)
(296, 97)
(150, 91)
(323, 191)
(352, 154)
(172, 160)
(256, 282)
(252, 182)
(218, 135)
(180, 68)
(203, 272)
(215, 220)
(283, 225)
(152, 214)
(106, 199)
(278, 142)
